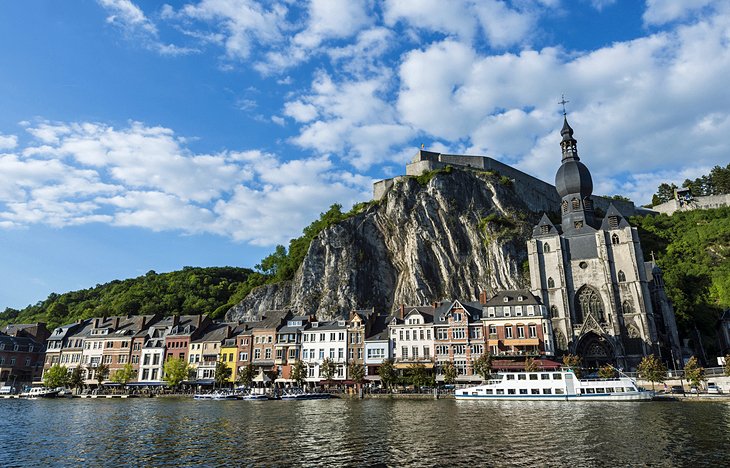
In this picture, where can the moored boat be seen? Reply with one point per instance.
(41, 392)
(557, 385)
(299, 394)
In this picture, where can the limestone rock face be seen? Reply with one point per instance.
(455, 235)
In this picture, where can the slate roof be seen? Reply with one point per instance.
(613, 212)
(473, 309)
(379, 329)
(23, 342)
(512, 296)
(216, 332)
(330, 325)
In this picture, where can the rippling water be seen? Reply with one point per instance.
(167, 432)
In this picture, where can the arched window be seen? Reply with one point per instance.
(627, 308)
(565, 206)
(614, 239)
(621, 276)
(576, 203)
(554, 312)
(551, 282)
(546, 248)
(588, 302)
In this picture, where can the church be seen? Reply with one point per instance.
(606, 303)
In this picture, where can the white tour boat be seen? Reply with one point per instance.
(557, 385)
(41, 392)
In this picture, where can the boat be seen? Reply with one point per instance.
(299, 394)
(216, 395)
(41, 392)
(254, 396)
(555, 385)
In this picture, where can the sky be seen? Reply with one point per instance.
(143, 135)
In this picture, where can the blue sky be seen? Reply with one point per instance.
(144, 135)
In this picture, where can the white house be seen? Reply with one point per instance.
(325, 340)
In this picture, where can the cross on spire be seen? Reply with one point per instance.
(563, 102)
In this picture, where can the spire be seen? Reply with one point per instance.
(568, 144)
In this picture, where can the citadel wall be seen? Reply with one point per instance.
(696, 203)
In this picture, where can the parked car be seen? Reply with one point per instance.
(693, 389)
(677, 389)
(713, 388)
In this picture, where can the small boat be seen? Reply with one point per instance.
(299, 394)
(557, 385)
(41, 392)
(254, 396)
(216, 395)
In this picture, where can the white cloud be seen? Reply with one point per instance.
(8, 141)
(79, 173)
(664, 11)
(332, 19)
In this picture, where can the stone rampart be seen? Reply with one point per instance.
(696, 203)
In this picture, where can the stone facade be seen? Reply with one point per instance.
(591, 276)
(694, 203)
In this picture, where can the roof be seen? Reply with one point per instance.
(607, 223)
(511, 297)
(379, 329)
(330, 325)
(23, 342)
(427, 312)
(271, 319)
(216, 332)
(473, 310)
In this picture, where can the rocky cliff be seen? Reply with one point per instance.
(445, 235)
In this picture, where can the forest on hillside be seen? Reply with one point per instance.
(188, 291)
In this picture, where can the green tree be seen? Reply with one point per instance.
(607, 372)
(727, 365)
(222, 373)
(327, 369)
(124, 375)
(449, 371)
(665, 192)
(175, 371)
(693, 372)
(387, 373)
(573, 362)
(483, 365)
(246, 375)
(530, 365)
(299, 373)
(417, 374)
(357, 372)
(55, 376)
(102, 372)
(652, 369)
(76, 378)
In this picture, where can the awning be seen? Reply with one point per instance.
(262, 377)
(146, 384)
(407, 365)
(204, 382)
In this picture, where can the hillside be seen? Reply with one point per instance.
(188, 291)
(444, 234)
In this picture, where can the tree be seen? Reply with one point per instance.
(175, 371)
(483, 365)
(664, 193)
(102, 372)
(327, 369)
(55, 376)
(417, 374)
(449, 370)
(387, 373)
(357, 372)
(246, 375)
(299, 373)
(222, 373)
(727, 364)
(607, 372)
(652, 369)
(76, 378)
(573, 362)
(530, 365)
(124, 375)
(693, 372)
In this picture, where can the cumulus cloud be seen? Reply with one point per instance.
(143, 176)
(8, 141)
(664, 11)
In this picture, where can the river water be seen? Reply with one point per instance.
(348, 432)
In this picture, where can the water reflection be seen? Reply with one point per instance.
(169, 432)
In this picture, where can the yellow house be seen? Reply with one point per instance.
(228, 357)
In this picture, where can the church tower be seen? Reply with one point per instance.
(591, 274)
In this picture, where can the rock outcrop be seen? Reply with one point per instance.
(448, 237)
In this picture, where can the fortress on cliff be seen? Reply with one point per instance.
(539, 196)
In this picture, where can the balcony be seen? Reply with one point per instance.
(514, 342)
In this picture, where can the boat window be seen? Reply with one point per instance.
(610, 390)
(490, 391)
(510, 377)
(511, 391)
(600, 390)
(547, 391)
(523, 391)
(582, 390)
(500, 391)
(620, 390)
(535, 391)
(533, 376)
(545, 376)
(559, 391)
(522, 377)
(590, 390)
(557, 376)
(474, 393)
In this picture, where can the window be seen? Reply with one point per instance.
(477, 349)
(279, 353)
(420, 333)
(400, 335)
(332, 336)
(321, 354)
(578, 224)
(135, 359)
(518, 311)
(506, 311)
(554, 312)
(493, 330)
(340, 354)
(621, 276)
(408, 335)
(332, 353)
(426, 352)
(460, 349)
(428, 334)
(533, 331)
(341, 336)
(441, 334)
(546, 247)
(530, 310)
(146, 360)
(576, 203)
(475, 333)
(545, 229)
(457, 317)
(508, 331)
(257, 353)
(551, 282)
(442, 350)
(614, 239)
(136, 347)
(520, 332)
(613, 222)
(404, 352)
(414, 350)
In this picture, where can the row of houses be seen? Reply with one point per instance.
(511, 324)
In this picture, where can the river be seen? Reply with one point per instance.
(348, 432)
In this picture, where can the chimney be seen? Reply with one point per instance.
(483, 297)
(402, 311)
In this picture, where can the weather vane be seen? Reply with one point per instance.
(563, 102)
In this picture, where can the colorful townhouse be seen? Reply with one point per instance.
(205, 351)
(289, 346)
(22, 354)
(358, 326)
(325, 340)
(244, 346)
(58, 340)
(187, 328)
(229, 351)
(117, 350)
(412, 335)
(517, 324)
(459, 338)
(263, 334)
(151, 344)
(377, 347)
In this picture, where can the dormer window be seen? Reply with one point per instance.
(520, 298)
(506, 299)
